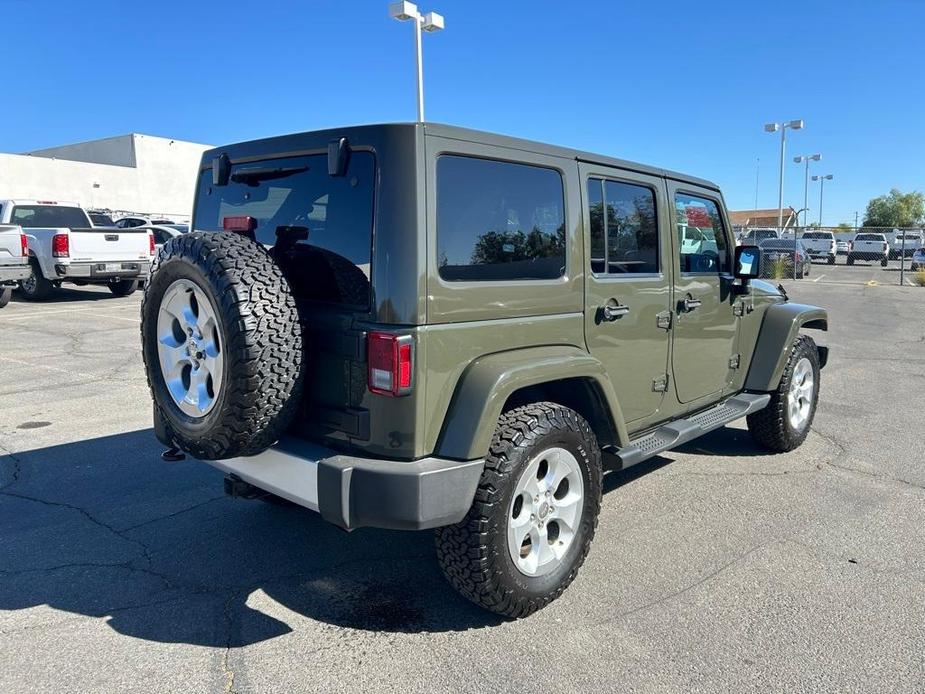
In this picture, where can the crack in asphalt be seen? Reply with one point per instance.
(172, 515)
(227, 670)
(843, 455)
(17, 468)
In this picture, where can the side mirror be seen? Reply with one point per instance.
(747, 263)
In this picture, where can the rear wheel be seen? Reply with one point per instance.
(5, 294)
(222, 345)
(884, 262)
(831, 260)
(534, 514)
(785, 422)
(35, 287)
(850, 260)
(123, 287)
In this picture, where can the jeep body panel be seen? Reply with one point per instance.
(780, 326)
(490, 380)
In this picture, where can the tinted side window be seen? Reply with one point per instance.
(701, 237)
(624, 231)
(499, 221)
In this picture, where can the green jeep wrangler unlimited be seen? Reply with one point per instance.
(419, 326)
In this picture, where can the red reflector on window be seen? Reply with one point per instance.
(390, 363)
(60, 246)
(239, 223)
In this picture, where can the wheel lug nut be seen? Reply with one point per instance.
(533, 516)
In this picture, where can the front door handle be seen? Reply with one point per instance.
(690, 304)
(610, 312)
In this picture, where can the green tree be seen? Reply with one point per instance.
(897, 209)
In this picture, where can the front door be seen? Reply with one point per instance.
(628, 289)
(705, 331)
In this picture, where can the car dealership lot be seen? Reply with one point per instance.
(715, 567)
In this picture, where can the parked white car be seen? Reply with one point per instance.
(64, 247)
(754, 237)
(905, 243)
(164, 232)
(842, 247)
(820, 245)
(869, 246)
(918, 260)
(14, 260)
(136, 221)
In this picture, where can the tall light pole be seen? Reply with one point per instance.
(773, 128)
(799, 160)
(430, 22)
(822, 180)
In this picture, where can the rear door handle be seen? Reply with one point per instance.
(689, 304)
(610, 312)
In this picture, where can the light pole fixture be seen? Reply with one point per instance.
(799, 160)
(430, 22)
(822, 180)
(773, 128)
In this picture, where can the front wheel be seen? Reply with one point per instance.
(534, 513)
(785, 422)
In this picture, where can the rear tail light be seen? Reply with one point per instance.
(390, 360)
(151, 243)
(60, 246)
(242, 223)
(24, 243)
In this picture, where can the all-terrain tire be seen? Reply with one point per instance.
(260, 339)
(123, 287)
(473, 553)
(5, 294)
(771, 427)
(36, 287)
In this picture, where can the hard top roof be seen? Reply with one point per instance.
(288, 143)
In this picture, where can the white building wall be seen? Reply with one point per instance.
(161, 182)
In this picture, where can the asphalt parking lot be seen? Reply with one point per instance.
(716, 567)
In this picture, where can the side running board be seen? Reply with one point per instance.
(681, 431)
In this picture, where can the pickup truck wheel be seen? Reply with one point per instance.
(785, 422)
(850, 260)
(35, 287)
(831, 260)
(123, 287)
(884, 262)
(222, 345)
(5, 294)
(534, 514)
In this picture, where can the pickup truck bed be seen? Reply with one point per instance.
(14, 263)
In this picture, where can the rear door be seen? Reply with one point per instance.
(705, 330)
(628, 288)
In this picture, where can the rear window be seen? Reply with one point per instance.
(49, 216)
(326, 222)
(498, 220)
(870, 237)
(827, 235)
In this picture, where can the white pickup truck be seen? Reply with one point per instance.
(869, 246)
(64, 246)
(905, 243)
(820, 245)
(14, 260)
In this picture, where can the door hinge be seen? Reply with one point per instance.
(743, 307)
(663, 320)
(734, 361)
(660, 384)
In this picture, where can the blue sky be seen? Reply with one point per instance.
(683, 85)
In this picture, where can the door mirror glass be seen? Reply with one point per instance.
(747, 262)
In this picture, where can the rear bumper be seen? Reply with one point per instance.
(353, 492)
(114, 270)
(13, 273)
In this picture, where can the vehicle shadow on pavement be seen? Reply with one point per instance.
(725, 442)
(104, 528)
(63, 295)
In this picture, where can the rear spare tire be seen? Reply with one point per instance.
(222, 345)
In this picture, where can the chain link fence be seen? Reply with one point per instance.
(792, 252)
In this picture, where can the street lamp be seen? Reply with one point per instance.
(822, 180)
(799, 160)
(773, 128)
(430, 22)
